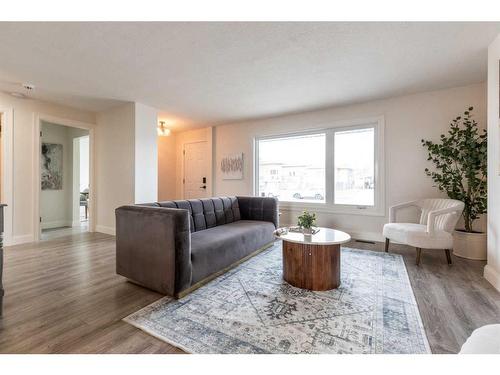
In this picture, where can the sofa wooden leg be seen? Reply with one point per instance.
(386, 245)
(419, 251)
(448, 255)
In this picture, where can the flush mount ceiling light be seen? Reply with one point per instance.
(28, 89)
(163, 131)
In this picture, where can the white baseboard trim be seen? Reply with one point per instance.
(492, 276)
(18, 240)
(56, 224)
(106, 230)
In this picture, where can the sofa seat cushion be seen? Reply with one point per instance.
(416, 235)
(216, 248)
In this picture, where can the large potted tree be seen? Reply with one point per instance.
(460, 161)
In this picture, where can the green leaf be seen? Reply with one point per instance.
(460, 160)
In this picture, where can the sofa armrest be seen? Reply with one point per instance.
(153, 247)
(259, 208)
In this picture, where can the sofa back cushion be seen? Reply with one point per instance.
(208, 212)
(220, 218)
(198, 215)
(259, 208)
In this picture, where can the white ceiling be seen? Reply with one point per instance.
(201, 74)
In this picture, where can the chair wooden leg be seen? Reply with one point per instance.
(448, 255)
(386, 245)
(419, 251)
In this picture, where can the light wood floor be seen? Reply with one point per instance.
(63, 296)
(53, 233)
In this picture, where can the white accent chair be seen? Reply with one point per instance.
(484, 340)
(438, 218)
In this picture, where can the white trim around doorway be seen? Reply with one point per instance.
(7, 160)
(38, 118)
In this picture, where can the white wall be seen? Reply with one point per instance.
(75, 191)
(21, 213)
(1, 125)
(126, 148)
(492, 269)
(114, 155)
(84, 165)
(167, 161)
(114, 163)
(408, 119)
(81, 173)
(146, 154)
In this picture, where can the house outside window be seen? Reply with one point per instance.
(339, 168)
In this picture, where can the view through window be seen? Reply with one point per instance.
(354, 167)
(293, 168)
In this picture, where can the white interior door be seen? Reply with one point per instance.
(195, 170)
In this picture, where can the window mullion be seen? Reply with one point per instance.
(329, 168)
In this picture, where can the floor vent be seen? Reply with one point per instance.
(363, 241)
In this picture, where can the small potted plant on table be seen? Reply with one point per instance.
(460, 161)
(306, 222)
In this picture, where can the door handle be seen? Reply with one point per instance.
(203, 187)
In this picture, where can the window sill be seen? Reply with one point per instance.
(329, 209)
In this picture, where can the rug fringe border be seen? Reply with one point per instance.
(159, 337)
(152, 304)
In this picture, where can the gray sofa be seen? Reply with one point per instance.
(173, 247)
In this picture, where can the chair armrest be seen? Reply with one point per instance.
(153, 247)
(432, 215)
(259, 208)
(395, 208)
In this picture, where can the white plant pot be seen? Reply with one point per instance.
(307, 231)
(469, 245)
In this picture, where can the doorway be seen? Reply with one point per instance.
(6, 170)
(1, 155)
(195, 170)
(81, 181)
(64, 177)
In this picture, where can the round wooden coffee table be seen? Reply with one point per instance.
(312, 262)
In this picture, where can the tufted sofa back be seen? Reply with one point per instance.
(210, 212)
(206, 213)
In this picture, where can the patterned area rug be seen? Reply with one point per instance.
(251, 309)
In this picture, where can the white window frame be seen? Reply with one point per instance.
(378, 209)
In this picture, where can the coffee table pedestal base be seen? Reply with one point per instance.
(311, 266)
